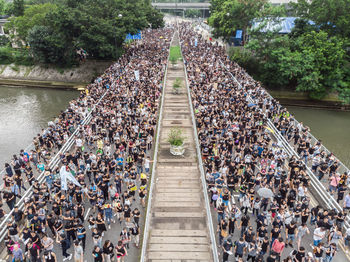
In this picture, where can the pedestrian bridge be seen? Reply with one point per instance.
(203, 6)
(184, 6)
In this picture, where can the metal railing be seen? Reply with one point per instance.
(201, 168)
(53, 163)
(343, 167)
(153, 172)
(316, 184)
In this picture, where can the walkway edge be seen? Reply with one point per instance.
(201, 169)
(155, 155)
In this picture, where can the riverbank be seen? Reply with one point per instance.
(290, 98)
(42, 84)
(51, 77)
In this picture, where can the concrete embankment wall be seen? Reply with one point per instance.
(291, 98)
(37, 76)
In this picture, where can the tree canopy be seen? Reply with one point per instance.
(53, 28)
(313, 58)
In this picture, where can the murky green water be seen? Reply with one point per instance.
(332, 127)
(24, 112)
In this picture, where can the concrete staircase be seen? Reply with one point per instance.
(178, 229)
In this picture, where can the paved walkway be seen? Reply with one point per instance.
(178, 225)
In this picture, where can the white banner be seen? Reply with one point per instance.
(137, 75)
(64, 174)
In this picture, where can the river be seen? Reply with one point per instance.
(24, 112)
(330, 126)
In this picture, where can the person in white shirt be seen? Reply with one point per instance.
(78, 143)
(319, 234)
(146, 164)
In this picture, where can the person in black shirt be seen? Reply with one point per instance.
(17, 214)
(33, 252)
(97, 254)
(299, 255)
(291, 231)
(10, 199)
(81, 235)
(261, 233)
(227, 248)
(249, 235)
(272, 257)
(264, 245)
(13, 231)
(65, 245)
(275, 233)
(244, 224)
(108, 250)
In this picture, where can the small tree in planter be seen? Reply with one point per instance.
(176, 140)
(177, 86)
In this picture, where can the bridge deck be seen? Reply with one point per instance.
(178, 229)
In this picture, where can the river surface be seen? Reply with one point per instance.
(24, 112)
(332, 127)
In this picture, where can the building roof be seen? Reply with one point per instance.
(283, 25)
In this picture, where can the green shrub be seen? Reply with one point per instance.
(176, 137)
(4, 40)
(9, 55)
(245, 59)
(22, 57)
(15, 68)
(6, 55)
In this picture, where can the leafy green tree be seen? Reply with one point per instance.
(155, 18)
(332, 16)
(48, 46)
(18, 7)
(323, 63)
(33, 15)
(192, 13)
(227, 16)
(302, 26)
(99, 27)
(2, 7)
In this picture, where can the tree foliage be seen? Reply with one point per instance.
(99, 27)
(332, 16)
(18, 7)
(49, 46)
(313, 58)
(227, 16)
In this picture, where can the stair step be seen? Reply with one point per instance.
(179, 233)
(178, 214)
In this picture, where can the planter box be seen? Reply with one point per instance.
(177, 150)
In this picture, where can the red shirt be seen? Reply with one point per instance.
(278, 246)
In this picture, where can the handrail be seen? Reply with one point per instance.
(201, 169)
(326, 197)
(155, 154)
(53, 163)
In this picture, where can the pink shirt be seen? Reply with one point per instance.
(335, 180)
(278, 246)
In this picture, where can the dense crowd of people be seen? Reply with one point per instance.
(110, 163)
(241, 159)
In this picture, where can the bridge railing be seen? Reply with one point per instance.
(342, 167)
(154, 165)
(201, 169)
(316, 184)
(55, 161)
